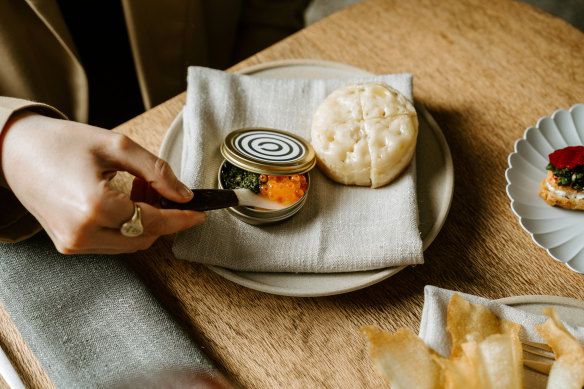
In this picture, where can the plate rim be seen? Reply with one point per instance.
(542, 299)
(234, 276)
(449, 166)
(509, 183)
(557, 302)
(377, 274)
(301, 62)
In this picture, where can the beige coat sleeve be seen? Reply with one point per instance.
(16, 223)
(169, 36)
(38, 61)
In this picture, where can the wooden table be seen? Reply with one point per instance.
(485, 71)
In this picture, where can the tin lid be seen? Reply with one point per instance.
(268, 151)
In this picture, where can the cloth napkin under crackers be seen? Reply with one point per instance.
(339, 229)
(433, 325)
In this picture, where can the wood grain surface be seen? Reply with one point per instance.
(485, 71)
(25, 363)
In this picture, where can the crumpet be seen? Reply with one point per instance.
(364, 134)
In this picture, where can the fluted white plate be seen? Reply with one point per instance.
(559, 231)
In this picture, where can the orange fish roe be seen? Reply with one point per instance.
(286, 190)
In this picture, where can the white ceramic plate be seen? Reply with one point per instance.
(559, 231)
(8, 374)
(435, 177)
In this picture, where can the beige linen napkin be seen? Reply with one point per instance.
(433, 325)
(339, 229)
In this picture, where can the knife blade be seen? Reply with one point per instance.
(210, 199)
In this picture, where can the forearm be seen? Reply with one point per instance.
(16, 223)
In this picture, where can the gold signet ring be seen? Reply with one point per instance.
(133, 227)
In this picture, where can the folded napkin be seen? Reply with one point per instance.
(339, 229)
(91, 322)
(433, 325)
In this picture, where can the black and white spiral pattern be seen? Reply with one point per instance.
(270, 146)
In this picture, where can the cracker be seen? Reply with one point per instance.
(560, 196)
(567, 371)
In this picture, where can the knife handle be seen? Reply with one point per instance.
(205, 200)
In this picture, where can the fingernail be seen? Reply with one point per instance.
(185, 191)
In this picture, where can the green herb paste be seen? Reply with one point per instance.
(233, 177)
(569, 177)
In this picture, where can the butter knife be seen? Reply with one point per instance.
(209, 199)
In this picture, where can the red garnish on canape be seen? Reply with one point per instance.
(568, 157)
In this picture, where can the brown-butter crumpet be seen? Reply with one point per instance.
(364, 134)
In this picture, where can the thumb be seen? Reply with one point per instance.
(127, 155)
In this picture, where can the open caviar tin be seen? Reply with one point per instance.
(267, 152)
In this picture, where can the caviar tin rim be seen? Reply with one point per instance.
(263, 217)
(268, 151)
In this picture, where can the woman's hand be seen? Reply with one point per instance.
(60, 170)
